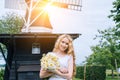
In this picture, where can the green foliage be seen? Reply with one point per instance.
(107, 50)
(115, 13)
(79, 72)
(3, 47)
(11, 23)
(92, 72)
(101, 56)
(96, 73)
(1, 74)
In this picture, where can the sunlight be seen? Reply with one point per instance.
(49, 8)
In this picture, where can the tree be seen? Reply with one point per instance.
(100, 56)
(11, 23)
(115, 15)
(107, 50)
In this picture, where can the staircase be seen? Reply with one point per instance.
(25, 70)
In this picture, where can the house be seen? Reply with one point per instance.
(21, 62)
(25, 50)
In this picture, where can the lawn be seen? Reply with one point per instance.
(76, 79)
(109, 78)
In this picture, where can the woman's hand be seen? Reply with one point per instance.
(44, 73)
(63, 70)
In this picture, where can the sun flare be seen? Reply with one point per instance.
(49, 8)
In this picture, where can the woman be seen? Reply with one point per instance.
(63, 49)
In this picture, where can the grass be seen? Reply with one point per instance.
(108, 72)
(76, 79)
(110, 78)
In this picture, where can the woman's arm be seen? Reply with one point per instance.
(44, 73)
(63, 70)
(67, 75)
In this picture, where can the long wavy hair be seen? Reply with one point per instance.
(69, 51)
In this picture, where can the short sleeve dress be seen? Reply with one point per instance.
(63, 63)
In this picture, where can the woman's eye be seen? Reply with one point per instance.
(63, 42)
(66, 43)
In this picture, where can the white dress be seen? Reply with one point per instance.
(63, 63)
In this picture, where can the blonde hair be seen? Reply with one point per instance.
(69, 51)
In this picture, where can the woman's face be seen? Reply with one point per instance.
(63, 44)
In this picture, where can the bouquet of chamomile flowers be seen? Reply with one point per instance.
(49, 61)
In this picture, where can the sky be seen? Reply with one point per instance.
(86, 22)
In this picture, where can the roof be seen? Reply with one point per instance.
(35, 35)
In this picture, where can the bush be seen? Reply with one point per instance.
(80, 72)
(1, 74)
(92, 72)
